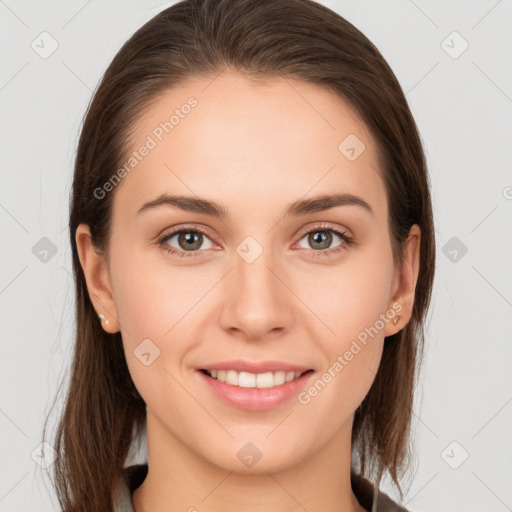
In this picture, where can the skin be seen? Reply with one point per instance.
(286, 305)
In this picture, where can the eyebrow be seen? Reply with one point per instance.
(297, 208)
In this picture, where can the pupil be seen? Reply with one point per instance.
(322, 236)
(191, 240)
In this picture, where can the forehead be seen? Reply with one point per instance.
(249, 143)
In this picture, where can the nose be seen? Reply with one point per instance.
(257, 302)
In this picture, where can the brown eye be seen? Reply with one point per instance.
(320, 239)
(189, 241)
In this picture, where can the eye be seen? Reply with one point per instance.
(191, 239)
(322, 238)
(188, 240)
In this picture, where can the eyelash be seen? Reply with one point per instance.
(347, 241)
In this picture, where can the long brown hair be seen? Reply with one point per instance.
(301, 39)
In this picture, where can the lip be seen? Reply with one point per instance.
(256, 399)
(241, 365)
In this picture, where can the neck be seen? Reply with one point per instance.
(179, 479)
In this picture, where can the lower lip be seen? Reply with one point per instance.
(256, 399)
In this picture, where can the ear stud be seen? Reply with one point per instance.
(101, 317)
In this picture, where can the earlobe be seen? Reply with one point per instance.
(405, 281)
(97, 279)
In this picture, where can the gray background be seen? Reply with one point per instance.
(462, 102)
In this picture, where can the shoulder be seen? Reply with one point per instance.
(372, 499)
(133, 476)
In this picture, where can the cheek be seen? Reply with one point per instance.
(351, 305)
(152, 304)
(158, 308)
(349, 297)
(151, 297)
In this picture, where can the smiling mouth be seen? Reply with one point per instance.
(253, 380)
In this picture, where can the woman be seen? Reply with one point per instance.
(253, 250)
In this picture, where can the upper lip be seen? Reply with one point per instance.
(255, 366)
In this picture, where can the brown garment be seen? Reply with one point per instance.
(372, 501)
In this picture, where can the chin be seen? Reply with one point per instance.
(249, 460)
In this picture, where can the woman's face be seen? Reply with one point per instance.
(254, 285)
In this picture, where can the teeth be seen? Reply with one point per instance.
(252, 380)
(232, 377)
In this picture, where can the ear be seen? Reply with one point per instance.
(97, 277)
(404, 282)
